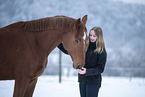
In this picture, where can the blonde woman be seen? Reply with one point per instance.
(89, 76)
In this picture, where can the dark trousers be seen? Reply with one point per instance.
(88, 90)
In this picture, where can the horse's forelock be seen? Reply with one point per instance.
(80, 30)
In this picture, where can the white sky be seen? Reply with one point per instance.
(132, 1)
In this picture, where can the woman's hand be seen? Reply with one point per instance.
(82, 70)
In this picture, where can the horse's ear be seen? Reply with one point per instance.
(78, 22)
(84, 19)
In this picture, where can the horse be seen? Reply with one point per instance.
(25, 46)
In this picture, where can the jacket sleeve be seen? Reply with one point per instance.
(60, 46)
(101, 61)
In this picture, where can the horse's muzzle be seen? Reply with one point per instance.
(78, 67)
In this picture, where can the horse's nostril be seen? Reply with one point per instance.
(79, 66)
(73, 65)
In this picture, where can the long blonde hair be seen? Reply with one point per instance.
(100, 44)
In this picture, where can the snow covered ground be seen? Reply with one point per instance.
(48, 86)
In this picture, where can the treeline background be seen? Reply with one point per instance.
(123, 25)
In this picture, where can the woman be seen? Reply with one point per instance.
(89, 76)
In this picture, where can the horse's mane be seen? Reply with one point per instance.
(56, 22)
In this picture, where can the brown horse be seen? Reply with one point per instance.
(25, 46)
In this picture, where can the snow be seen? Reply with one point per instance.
(48, 86)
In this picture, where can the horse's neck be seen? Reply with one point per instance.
(46, 41)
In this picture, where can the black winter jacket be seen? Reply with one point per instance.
(94, 64)
(60, 46)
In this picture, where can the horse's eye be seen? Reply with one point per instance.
(77, 41)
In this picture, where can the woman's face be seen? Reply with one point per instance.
(92, 36)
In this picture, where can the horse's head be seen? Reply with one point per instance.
(74, 42)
